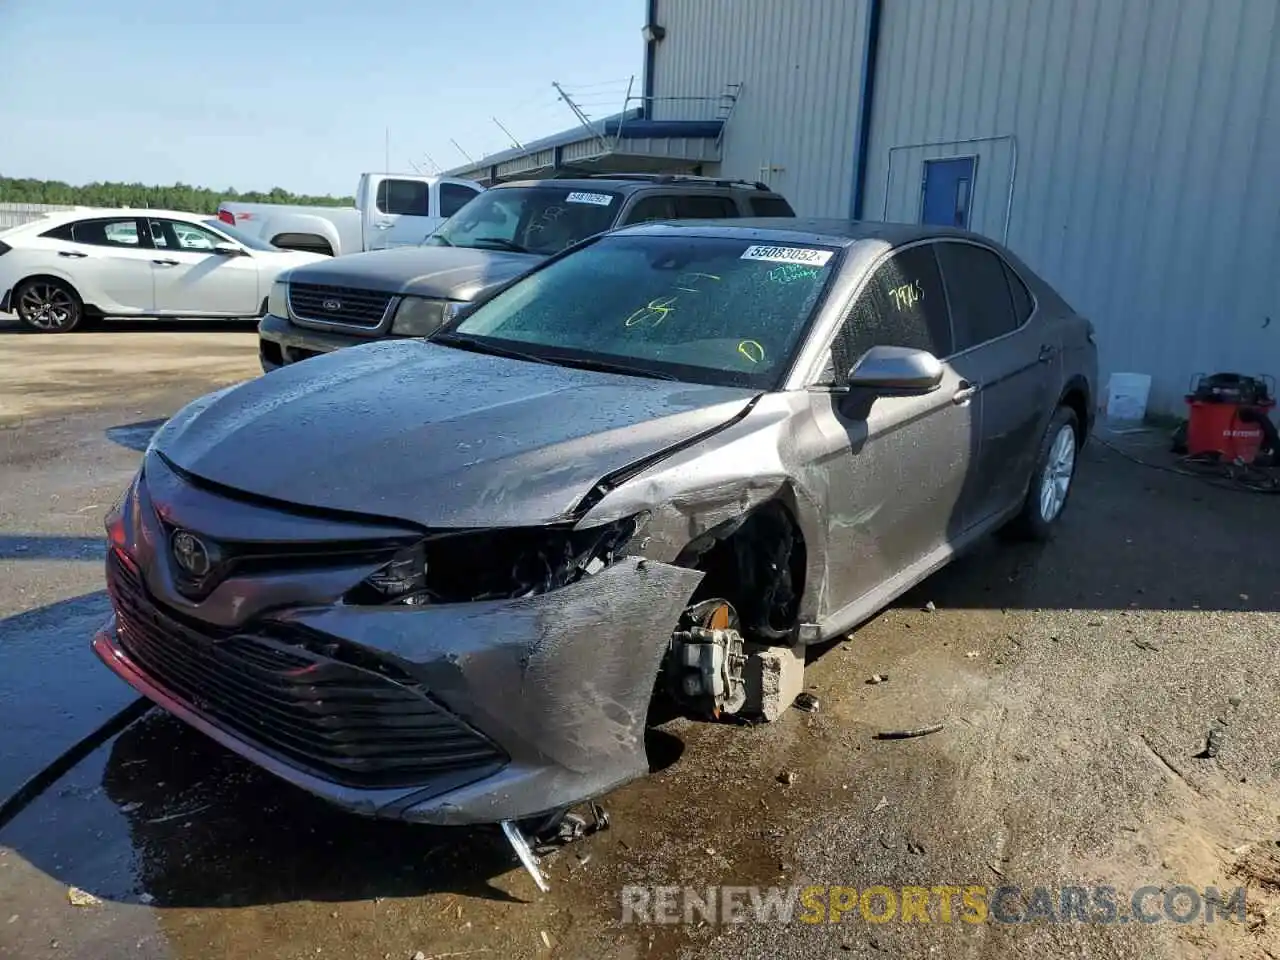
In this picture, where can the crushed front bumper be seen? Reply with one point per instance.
(456, 714)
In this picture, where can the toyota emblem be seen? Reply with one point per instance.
(332, 305)
(190, 553)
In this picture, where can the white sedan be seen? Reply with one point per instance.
(57, 271)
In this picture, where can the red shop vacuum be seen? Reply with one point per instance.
(1228, 419)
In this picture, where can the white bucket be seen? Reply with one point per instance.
(1127, 396)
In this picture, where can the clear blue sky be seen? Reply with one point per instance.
(295, 93)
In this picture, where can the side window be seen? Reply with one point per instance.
(762, 206)
(978, 289)
(652, 208)
(107, 233)
(695, 206)
(407, 197)
(1023, 305)
(902, 305)
(453, 197)
(59, 233)
(189, 237)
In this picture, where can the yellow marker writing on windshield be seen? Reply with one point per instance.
(655, 311)
(752, 351)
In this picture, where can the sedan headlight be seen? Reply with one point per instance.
(278, 301)
(420, 317)
(496, 564)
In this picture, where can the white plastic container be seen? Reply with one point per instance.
(1127, 395)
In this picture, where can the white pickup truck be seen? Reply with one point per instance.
(391, 210)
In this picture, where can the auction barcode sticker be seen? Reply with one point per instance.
(599, 199)
(806, 255)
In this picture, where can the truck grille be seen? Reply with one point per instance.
(341, 722)
(338, 306)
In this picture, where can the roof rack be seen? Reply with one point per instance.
(570, 174)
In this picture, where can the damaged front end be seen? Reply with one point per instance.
(458, 678)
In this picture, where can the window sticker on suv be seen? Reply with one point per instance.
(599, 199)
(804, 255)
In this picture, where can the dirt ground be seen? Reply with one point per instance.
(1076, 684)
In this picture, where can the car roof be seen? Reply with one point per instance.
(103, 213)
(631, 182)
(835, 233)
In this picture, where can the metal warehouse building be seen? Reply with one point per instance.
(1127, 149)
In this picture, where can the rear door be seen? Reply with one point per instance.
(1011, 356)
(109, 261)
(398, 212)
(191, 279)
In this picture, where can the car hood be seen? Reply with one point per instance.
(452, 273)
(435, 435)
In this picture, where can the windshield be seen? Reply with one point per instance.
(253, 243)
(704, 310)
(541, 220)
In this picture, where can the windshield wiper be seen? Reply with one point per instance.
(607, 366)
(443, 241)
(501, 242)
(464, 342)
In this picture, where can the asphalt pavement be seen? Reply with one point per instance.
(1075, 684)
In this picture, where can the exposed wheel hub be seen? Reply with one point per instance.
(706, 663)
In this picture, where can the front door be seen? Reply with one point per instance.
(948, 191)
(898, 469)
(400, 213)
(191, 279)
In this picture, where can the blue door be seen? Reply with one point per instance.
(948, 192)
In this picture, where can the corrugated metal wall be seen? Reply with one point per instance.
(800, 63)
(16, 214)
(1147, 136)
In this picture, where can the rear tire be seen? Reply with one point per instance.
(46, 305)
(1051, 481)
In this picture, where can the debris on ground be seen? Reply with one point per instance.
(130, 807)
(884, 802)
(1235, 701)
(908, 734)
(916, 848)
(878, 678)
(806, 702)
(971, 654)
(146, 899)
(788, 777)
(546, 940)
(81, 898)
(1213, 744)
(1145, 645)
(995, 869)
(930, 607)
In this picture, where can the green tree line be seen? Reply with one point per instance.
(180, 196)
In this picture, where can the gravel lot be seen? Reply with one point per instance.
(1076, 684)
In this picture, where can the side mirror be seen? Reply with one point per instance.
(896, 371)
(227, 250)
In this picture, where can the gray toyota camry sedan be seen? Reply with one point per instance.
(444, 580)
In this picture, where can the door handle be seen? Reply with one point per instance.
(385, 225)
(1047, 352)
(965, 393)
(72, 254)
(165, 263)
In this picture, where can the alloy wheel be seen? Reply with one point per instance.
(48, 307)
(1058, 471)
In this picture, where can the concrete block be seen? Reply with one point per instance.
(774, 676)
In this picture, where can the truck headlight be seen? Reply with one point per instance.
(278, 301)
(419, 317)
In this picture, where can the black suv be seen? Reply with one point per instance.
(496, 237)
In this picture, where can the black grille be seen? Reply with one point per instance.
(342, 722)
(345, 306)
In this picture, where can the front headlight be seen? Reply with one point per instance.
(278, 301)
(419, 317)
(500, 564)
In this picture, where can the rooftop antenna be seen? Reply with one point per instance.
(470, 159)
(386, 156)
(431, 161)
(582, 117)
(516, 143)
(416, 169)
